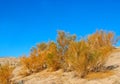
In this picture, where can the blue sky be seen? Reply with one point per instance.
(24, 23)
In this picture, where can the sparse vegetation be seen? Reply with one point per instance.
(98, 75)
(84, 56)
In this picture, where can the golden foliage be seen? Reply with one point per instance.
(77, 56)
(91, 54)
(98, 75)
(84, 56)
(5, 73)
(36, 61)
(53, 60)
(63, 41)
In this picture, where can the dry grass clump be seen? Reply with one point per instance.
(98, 75)
(5, 73)
(84, 56)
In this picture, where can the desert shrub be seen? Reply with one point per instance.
(53, 60)
(90, 54)
(101, 44)
(63, 41)
(77, 56)
(41, 48)
(5, 73)
(36, 61)
(33, 63)
(84, 56)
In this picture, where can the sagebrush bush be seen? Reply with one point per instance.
(90, 54)
(101, 44)
(77, 56)
(53, 60)
(36, 61)
(84, 56)
(5, 73)
(63, 41)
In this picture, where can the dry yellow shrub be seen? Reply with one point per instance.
(89, 55)
(84, 56)
(36, 61)
(77, 56)
(63, 41)
(53, 60)
(5, 73)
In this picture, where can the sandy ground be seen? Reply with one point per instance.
(60, 77)
(9, 60)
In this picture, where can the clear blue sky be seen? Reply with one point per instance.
(24, 23)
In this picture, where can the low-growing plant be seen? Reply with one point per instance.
(101, 44)
(53, 60)
(84, 56)
(36, 61)
(90, 54)
(5, 73)
(77, 56)
(63, 41)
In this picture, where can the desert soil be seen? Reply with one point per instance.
(60, 77)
